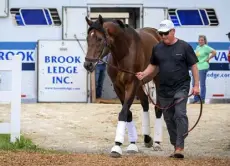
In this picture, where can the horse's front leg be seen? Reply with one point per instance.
(125, 120)
(132, 134)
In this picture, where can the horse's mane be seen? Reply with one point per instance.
(98, 26)
(121, 24)
(128, 31)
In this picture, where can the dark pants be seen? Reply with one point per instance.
(176, 118)
(100, 76)
(202, 76)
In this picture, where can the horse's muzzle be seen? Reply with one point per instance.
(89, 66)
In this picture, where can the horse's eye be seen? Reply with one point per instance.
(99, 39)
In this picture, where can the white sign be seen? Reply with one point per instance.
(221, 57)
(61, 77)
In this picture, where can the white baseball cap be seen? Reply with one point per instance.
(166, 25)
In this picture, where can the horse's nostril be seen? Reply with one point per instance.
(88, 66)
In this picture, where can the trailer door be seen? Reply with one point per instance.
(4, 8)
(74, 24)
(153, 16)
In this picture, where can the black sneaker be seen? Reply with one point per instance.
(179, 153)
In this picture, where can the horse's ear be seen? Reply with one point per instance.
(101, 21)
(89, 22)
(121, 24)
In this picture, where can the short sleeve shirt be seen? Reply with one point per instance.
(202, 53)
(174, 62)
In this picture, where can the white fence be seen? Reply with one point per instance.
(13, 97)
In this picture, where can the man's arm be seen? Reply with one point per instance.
(192, 62)
(152, 69)
(191, 57)
(149, 70)
(195, 74)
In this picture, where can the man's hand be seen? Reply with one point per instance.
(195, 90)
(140, 75)
(148, 71)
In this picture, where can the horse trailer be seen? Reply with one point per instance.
(50, 37)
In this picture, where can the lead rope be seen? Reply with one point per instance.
(167, 107)
(177, 102)
(148, 94)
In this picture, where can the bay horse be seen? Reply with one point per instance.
(130, 50)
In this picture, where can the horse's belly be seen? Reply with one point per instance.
(119, 78)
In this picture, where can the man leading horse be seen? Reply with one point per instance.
(174, 57)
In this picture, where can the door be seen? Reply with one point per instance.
(74, 23)
(153, 16)
(4, 8)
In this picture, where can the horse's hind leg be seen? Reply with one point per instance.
(145, 118)
(158, 129)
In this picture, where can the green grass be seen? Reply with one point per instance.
(23, 144)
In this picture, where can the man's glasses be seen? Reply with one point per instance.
(164, 33)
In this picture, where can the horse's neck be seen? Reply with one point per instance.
(120, 47)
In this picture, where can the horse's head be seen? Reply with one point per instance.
(99, 39)
(98, 45)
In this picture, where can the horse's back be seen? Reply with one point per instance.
(150, 31)
(149, 38)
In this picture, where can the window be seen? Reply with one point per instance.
(193, 17)
(33, 16)
(25, 17)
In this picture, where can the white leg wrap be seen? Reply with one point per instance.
(132, 132)
(158, 130)
(120, 132)
(117, 149)
(145, 123)
(132, 148)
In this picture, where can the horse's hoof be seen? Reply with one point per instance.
(115, 155)
(132, 148)
(149, 144)
(116, 152)
(157, 147)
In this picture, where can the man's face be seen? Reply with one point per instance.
(168, 37)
